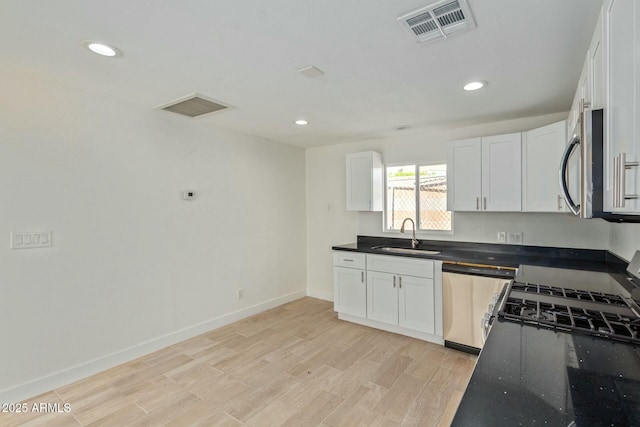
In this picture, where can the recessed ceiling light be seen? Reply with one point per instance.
(102, 48)
(301, 122)
(474, 85)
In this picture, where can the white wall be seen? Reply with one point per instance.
(625, 240)
(326, 187)
(131, 261)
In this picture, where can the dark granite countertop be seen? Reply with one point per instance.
(509, 256)
(527, 376)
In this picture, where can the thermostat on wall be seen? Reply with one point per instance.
(189, 195)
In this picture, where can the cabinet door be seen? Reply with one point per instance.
(622, 45)
(463, 175)
(584, 84)
(596, 67)
(382, 297)
(416, 303)
(502, 173)
(541, 152)
(364, 181)
(349, 291)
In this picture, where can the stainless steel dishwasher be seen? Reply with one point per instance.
(465, 300)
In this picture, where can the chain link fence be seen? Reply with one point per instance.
(401, 197)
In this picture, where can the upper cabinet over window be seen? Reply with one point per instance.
(364, 181)
(484, 174)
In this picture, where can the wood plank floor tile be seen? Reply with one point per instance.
(127, 415)
(294, 365)
(273, 414)
(391, 370)
(315, 411)
(399, 398)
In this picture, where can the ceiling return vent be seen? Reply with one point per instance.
(439, 20)
(194, 105)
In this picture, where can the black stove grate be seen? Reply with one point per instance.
(575, 294)
(571, 317)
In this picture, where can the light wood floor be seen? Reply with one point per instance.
(296, 365)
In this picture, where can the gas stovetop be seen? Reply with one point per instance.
(595, 313)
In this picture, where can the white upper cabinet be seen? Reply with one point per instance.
(595, 62)
(464, 171)
(622, 141)
(590, 93)
(364, 181)
(502, 173)
(484, 174)
(541, 152)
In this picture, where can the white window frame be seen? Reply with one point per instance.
(419, 231)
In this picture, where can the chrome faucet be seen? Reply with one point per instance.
(414, 242)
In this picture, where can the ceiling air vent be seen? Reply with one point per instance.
(439, 20)
(194, 105)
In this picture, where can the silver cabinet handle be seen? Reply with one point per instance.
(559, 202)
(485, 203)
(616, 181)
(362, 276)
(394, 281)
(620, 166)
(624, 166)
(400, 282)
(621, 173)
(347, 260)
(477, 203)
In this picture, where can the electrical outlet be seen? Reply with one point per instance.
(502, 237)
(239, 294)
(514, 237)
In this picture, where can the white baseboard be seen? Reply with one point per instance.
(315, 293)
(67, 376)
(436, 339)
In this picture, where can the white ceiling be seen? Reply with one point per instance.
(246, 53)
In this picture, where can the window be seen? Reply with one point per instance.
(428, 203)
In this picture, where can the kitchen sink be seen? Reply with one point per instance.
(412, 251)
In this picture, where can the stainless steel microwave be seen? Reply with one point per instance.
(587, 143)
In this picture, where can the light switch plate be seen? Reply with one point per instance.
(502, 237)
(30, 239)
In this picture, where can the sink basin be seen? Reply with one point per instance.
(412, 251)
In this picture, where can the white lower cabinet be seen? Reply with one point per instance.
(400, 294)
(350, 291)
(405, 301)
(382, 297)
(414, 294)
(349, 283)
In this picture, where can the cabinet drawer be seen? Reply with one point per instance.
(400, 265)
(349, 259)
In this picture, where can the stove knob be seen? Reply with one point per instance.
(492, 307)
(486, 321)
